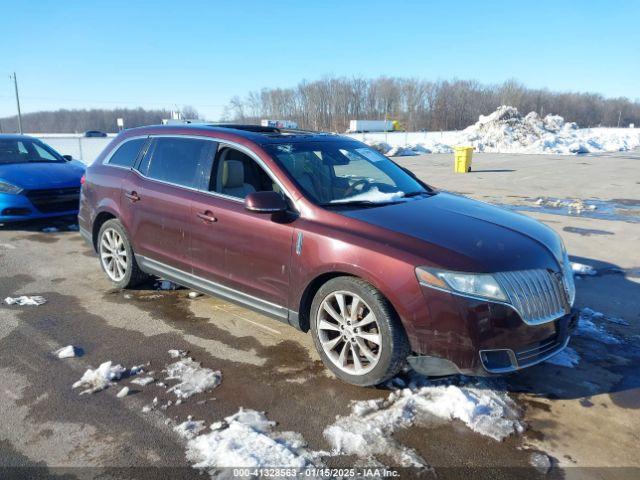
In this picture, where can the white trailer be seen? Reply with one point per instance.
(365, 126)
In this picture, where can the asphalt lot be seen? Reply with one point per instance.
(582, 417)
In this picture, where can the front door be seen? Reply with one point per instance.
(248, 252)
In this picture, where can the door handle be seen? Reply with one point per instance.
(133, 196)
(207, 217)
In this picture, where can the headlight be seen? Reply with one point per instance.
(6, 187)
(475, 284)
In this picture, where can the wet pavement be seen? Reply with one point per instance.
(585, 418)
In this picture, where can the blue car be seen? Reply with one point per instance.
(36, 181)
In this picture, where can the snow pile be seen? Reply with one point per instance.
(582, 269)
(25, 300)
(507, 131)
(65, 352)
(100, 378)
(566, 358)
(246, 439)
(192, 378)
(587, 327)
(190, 428)
(373, 195)
(367, 431)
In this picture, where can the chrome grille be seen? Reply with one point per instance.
(539, 296)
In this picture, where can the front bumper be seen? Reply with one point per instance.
(481, 338)
(17, 208)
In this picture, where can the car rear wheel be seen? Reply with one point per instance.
(116, 256)
(357, 333)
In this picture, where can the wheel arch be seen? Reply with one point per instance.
(100, 219)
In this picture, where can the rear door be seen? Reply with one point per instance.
(168, 178)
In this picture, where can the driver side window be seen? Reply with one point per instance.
(236, 174)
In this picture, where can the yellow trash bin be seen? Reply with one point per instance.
(462, 159)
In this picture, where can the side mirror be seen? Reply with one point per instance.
(265, 202)
(68, 158)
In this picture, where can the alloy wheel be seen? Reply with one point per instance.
(113, 254)
(349, 332)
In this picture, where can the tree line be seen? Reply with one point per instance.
(328, 104)
(78, 121)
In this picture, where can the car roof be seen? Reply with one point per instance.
(16, 136)
(256, 133)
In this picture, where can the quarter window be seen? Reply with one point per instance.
(126, 155)
(180, 161)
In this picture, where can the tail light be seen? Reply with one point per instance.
(82, 180)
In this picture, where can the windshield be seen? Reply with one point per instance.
(342, 173)
(23, 150)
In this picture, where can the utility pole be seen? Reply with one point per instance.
(15, 84)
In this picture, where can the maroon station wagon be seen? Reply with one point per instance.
(328, 235)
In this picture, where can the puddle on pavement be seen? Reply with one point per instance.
(626, 210)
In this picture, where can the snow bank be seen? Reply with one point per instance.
(246, 439)
(368, 429)
(192, 378)
(25, 300)
(566, 358)
(507, 131)
(100, 378)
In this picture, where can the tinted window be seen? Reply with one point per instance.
(179, 160)
(127, 154)
(18, 150)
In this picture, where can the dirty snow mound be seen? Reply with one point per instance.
(582, 269)
(66, 352)
(175, 353)
(566, 358)
(190, 428)
(587, 327)
(192, 378)
(246, 439)
(100, 378)
(25, 300)
(367, 431)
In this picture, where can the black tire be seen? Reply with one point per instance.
(133, 276)
(395, 345)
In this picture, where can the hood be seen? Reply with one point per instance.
(481, 237)
(39, 175)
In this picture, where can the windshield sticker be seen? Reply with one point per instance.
(370, 154)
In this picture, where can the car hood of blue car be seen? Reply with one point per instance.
(41, 175)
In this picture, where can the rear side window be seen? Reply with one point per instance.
(127, 153)
(181, 161)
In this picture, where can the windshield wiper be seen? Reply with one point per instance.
(415, 194)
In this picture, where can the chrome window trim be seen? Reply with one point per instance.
(229, 143)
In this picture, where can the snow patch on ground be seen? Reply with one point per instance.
(7, 246)
(367, 431)
(95, 380)
(190, 428)
(25, 300)
(123, 392)
(66, 352)
(175, 353)
(508, 131)
(246, 439)
(582, 269)
(142, 381)
(192, 377)
(566, 358)
(541, 462)
(50, 230)
(587, 327)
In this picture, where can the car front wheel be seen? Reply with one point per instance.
(357, 333)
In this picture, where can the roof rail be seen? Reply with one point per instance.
(266, 130)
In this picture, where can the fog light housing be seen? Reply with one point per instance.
(497, 360)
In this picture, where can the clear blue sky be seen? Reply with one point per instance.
(81, 54)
